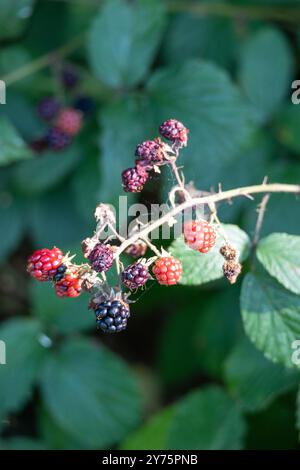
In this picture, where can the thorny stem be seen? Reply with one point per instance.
(151, 246)
(261, 213)
(212, 198)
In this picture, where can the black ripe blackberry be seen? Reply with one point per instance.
(112, 316)
(60, 272)
(135, 275)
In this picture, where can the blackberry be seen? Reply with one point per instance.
(135, 275)
(112, 316)
(48, 108)
(175, 131)
(69, 77)
(85, 104)
(43, 264)
(57, 139)
(101, 257)
(60, 272)
(133, 179)
(150, 152)
(38, 145)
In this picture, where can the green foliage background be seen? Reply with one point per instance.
(184, 375)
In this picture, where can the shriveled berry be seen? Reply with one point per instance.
(43, 264)
(48, 108)
(150, 152)
(133, 179)
(228, 252)
(68, 286)
(112, 316)
(69, 121)
(175, 131)
(57, 139)
(101, 257)
(138, 249)
(135, 275)
(232, 270)
(199, 235)
(167, 270)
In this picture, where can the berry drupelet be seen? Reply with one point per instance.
(69, 121)
(199, 235)
(60, 272)
(101, 257)
(48, 108)
(174, 131)
(57, 139)
(135, 275)
(133, 179)
(167, 270)
(68, 286)
(112, 316)
(43, 264)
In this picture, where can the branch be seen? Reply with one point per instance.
(213, 198)
(261, 213)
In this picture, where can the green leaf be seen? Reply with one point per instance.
(90, 393)
(42, 173)
(153, 435)
(123, 40)
(11, 226)
(13, 15)
(64, 315)
(207, 419)
(253, 380)
(123, 117)
(199, 268)
(202, 96)
(22, 443)
(12, 147)
(271, 317)
(266, 70)
(279, 253)
(287, 125)
(24, 354)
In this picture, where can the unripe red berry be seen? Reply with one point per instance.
(43, 264)
(175, 131)
(167, 270)
(133, 179)
(69, 121)
(199, 235)
(69, 286)
(135, 275)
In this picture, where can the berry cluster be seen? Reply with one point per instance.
(111, 304)
(64, 121)
(154, 153)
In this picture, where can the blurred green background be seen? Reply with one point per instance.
(183, 375)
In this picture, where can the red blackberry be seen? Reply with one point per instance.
(57, 139)
(135, 275)
(68, 286)
(43, 264)
(48, 108)
(101, 257)
(150, 152)
(167, 270)
(133, 179)
(60, 272)
(199, 235)
(175, 131)
(69, 121)
(138, 249)
(112, 316)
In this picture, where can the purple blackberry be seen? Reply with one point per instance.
(135, 275)
(57, 139)
(48, 108)
(69, 77)
(138, 249)
(60, 273)
(112, 316)
(133, 179)
(175, 131)
(85, 104)
(150, 152)
(38, 145)
(101, 258)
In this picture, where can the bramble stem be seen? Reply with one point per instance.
(261, 213)
(212, 198)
